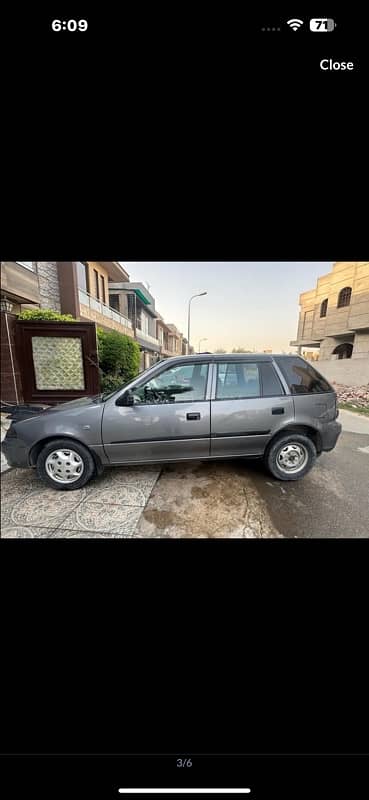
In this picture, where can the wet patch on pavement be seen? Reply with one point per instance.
(205, 500)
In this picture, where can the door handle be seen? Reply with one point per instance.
(278, 410)
(192, 416)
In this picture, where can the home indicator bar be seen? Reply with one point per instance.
(184, 791)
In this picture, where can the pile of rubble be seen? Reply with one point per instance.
(356, 395)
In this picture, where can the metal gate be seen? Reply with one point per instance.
(57, 360)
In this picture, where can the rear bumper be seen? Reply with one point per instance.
(330, 433)
(15, 451)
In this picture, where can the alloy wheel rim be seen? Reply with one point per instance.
(292, 458)
(64, 466)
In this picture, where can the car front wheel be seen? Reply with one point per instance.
(65, 465)
(291, 457)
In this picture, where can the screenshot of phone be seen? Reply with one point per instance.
(185, 394)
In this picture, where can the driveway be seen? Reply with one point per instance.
(239, 499)
(109, 506)
(233, 499)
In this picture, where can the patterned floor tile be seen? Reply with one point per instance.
(102, 518)
(6, 511)
(109, 506)
(122, 494)
(65, 533)
(19, 481)
(140, 476)
(25, 532)
(45, 507)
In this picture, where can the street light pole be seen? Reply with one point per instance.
(201, 340)
(189, 316)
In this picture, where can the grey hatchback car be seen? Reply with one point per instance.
(274, 407)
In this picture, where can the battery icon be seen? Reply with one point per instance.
(322, 25)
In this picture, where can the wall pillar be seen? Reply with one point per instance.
(11, 385)
(361, 345)
(48, 281)
(69, 300)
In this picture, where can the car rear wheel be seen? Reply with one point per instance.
(65, 465)
(291, 457)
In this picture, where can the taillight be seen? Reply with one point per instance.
(11, 433)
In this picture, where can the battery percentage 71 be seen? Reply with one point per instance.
(322, 25)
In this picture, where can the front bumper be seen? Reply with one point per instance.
(15, 451)
(330, 433)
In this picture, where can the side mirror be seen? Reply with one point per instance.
(125, 399)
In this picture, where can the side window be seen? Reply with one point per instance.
(237, 379)
(323, 308)
(344, 297)
(301, 377)
(181, 384)
(272, 386)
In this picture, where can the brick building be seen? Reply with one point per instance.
(334, 318)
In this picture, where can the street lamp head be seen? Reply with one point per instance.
(202, 294)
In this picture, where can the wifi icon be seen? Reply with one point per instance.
(295, 24)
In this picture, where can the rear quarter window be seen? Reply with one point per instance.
(301, 377)
(272, 386)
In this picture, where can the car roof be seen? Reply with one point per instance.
(224, 357)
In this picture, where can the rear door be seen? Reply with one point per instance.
(248, 406)
(170, 418)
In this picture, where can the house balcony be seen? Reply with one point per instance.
(144, 339)
(147, 337)
(96, 311)
(165, 352)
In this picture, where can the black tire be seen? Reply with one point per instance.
(82, 456)
(288, 447)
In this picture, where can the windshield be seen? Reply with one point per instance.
(107, 395)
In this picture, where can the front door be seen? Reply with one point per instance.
(170, 418)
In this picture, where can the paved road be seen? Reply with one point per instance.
(356, 423)
(332, 500)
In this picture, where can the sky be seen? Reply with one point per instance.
(249, 304)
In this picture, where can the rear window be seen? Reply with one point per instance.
(301, 377)
(236, 380)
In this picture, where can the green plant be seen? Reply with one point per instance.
(109, 383)
(119, 355)
(353, 407)
(45, 314)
